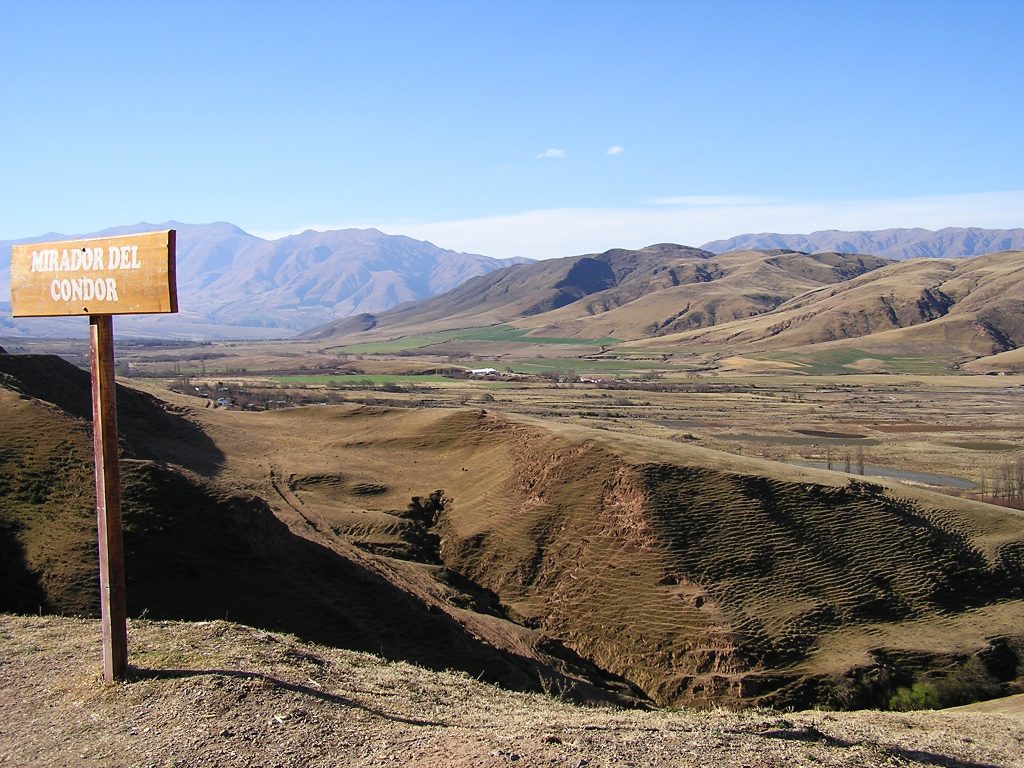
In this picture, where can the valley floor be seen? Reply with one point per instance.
(222, 694)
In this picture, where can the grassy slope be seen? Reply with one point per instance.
(519, 291)
(198, 548)
(696, 575)
(686, 571)
(696, 292)
(689, 303)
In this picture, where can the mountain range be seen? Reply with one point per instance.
(232, 284)
(951, 242)
(620, 293)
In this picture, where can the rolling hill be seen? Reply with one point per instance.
(709, 306)
(957, 309)
(232, 284)
(534, 553)
(200, 548)
(718, 290)
(618, 293)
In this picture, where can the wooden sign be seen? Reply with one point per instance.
(124, 275)
(100, 277)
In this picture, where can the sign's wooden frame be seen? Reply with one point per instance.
(123, 275)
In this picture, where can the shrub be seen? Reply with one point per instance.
(918, 696)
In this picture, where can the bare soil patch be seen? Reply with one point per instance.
(827, 433)
(902, 428)
(215, 693)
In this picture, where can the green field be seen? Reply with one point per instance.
(493, 333)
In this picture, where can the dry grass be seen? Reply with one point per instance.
(694, 574)
(215, 693)
(615, 543)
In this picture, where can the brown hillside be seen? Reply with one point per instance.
(519, 291)
(965, 307)
(1010, 362)
(198, 548)
(739, 303)
(692, 293)
(619, 293)
(695, 575)
(531, 551)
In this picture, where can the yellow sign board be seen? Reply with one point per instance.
(124, 275)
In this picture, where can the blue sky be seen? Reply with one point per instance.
(514, 128)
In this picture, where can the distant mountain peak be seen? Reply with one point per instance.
(233, 284)
(896, 243)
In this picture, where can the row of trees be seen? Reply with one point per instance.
(847, 461)
(1005, 485)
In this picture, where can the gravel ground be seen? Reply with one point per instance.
(221, 694)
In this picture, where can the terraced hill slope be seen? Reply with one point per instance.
(197, 548)
(695, 575)
(692, 575)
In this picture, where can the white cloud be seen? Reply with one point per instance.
(712, 200)
(543, 234)
(689, 220)
(616, 150)
(556, 153)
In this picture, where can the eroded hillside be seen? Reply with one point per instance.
(692, 293)
(627, 294)
(200, 548)
(564, 556)
(960, 309)
(697, 308)
(694, 575)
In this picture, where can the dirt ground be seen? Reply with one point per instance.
(221, 694)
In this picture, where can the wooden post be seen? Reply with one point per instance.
(108, 498)
(101, 276)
